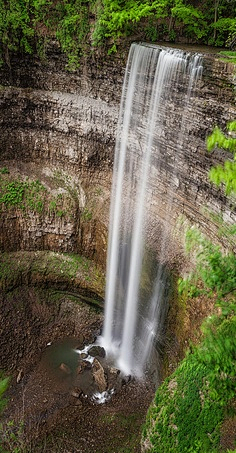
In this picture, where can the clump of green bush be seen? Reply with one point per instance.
(22, 194)
(30, 196)
(26, 26)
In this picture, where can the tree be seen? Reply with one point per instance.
(192, 18)
(25, 25)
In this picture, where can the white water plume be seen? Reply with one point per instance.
(135, 310)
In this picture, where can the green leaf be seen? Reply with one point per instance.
(3, 385)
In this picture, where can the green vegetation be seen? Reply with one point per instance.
(216, 271)
(226, 230)
(4, 382)
(12, 438)
(228, 55)
(188, 410)
(22, 194)
(192, 404)
(33, 196)
(72, 269)
(73, 29)
(86, 215)
(28, 25)
(4, 171)
(211, 22)
(224, 174)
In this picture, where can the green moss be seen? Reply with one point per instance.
(192, 404)
(185, 416)
(4, 170)
(41, 267)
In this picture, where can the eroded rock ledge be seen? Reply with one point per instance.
(60, 128)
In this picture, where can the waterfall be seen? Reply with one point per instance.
(136, 302)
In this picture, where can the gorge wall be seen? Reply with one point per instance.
(59, 128)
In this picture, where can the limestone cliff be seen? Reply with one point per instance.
(59, 128)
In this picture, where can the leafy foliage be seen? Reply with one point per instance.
(22, 194)
(118, 17)
(33, 196)
(73, 29)
(4, 383)
(218, 352)
(224, 174)
(26, 25)
(215, 271)
(167, 18)
(15, 25)
(225, 27)
(192, 18)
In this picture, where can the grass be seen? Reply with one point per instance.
(4, 383)
(230, 55)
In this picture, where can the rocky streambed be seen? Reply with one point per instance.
(64, 396)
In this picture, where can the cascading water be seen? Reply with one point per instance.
(135, 303)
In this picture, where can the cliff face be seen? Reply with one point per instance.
(59, 128)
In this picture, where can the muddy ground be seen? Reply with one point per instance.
(49, 408)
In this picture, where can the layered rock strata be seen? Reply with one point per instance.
(60, 128)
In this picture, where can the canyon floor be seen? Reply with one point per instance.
(47, 411)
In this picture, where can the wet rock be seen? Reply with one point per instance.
(86, 383)
(113, 378)
(97, 351)
(99, 375)
(80, 342)
(126, 379)
(76, 393)
(63, 367)
(114, 371)
(83, 366)
(78, 402)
